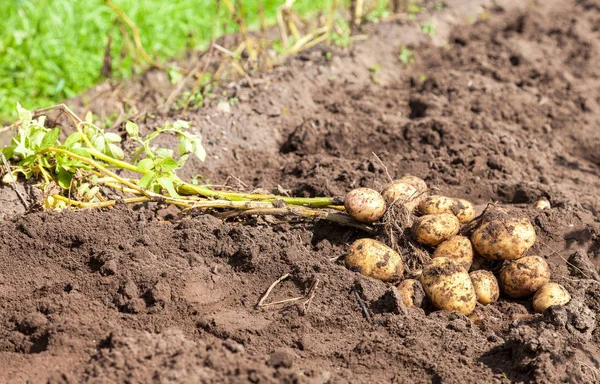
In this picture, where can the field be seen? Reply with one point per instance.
(493, 102)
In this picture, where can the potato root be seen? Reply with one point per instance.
(365, 205)
(431, 230)
(523, 277)
(448, 286)
(486, 286)
(457, 248)
(374, 259)
(411, 292)
(548, 295)
(504, 239)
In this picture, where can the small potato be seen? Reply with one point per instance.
(548, 295)
(433, 229)
(448, 286)
(401, 192)
(411, 292)
(419, 183)
(504, 239)
(457, 248)
(542, 204)
(523, 277)
(374, 259)
(436, 204)
(464, 210)
(365, 205)
(486, 286)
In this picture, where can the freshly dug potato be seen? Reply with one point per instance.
(486, 286)
(433, 229)
(548, 295)
(448, 286)
(365, 205)
(504, 239)
(457, 248)
(542, 204)
(401, 192)
(411, 292)
(523, 277)
(419, 183)
(374, 259)
(436, 204)
(464, 210)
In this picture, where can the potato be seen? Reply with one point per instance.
(448, 286)
(523, 277)
(365, 205)
(435, 204)
(464, 210)
(542, 204)
(433, 229)
(504, 238)
(401, 192)
(411, 292)
(374, 259)
(486, 286)
(416, 181)
(548, 295)
(457, 248)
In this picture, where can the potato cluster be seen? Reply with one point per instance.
(446, 282)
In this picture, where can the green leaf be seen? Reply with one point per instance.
(64, 178)
(199, 149)
(112, 137)
(89, 117)
(115, 152)
(83, 152)
(8, 152)
(164, 152)
(167, 184)
(50, 138)
(168, 164)
(145, 165)
(132, 129)
(72, 139)
(99, 144)
(24, 115)
(147, 179)
(185, 146)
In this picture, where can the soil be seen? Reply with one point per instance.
(500, 106)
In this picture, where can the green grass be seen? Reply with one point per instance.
(51, 50)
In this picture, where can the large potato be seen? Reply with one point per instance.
(548, 295)
(411, 292)
(486, 286)
(457, 248)
(433, 229)
(448, 286)
(401, 192)
(523, 277)
(436, 204)
(365, 205)
(464, 210)
(504, 239)
(374, 259)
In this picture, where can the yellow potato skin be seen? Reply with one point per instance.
(419, 183)
(365, 205)
(431, 230)
(401, 192)
(464, 211)
(457, 248)
(436, 204)
(411, 292)
(522, 278)
(504, 239)
(548, 295)
(448, 286)
(374, 259)
(486, 286)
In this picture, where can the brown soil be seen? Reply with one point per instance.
(508, 112)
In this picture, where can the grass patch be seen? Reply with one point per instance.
(51, 50)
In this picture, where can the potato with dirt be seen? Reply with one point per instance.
(504, 238)
(432, 230)
(419, 183)
(523, 277)
(457, 248)
(412, 293)
(486, 286)
(374, 259)
(448, 286)
(365, 205)
(548, 295)
(401, 192)
(436, 204)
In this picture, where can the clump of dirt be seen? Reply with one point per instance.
(507, 111)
